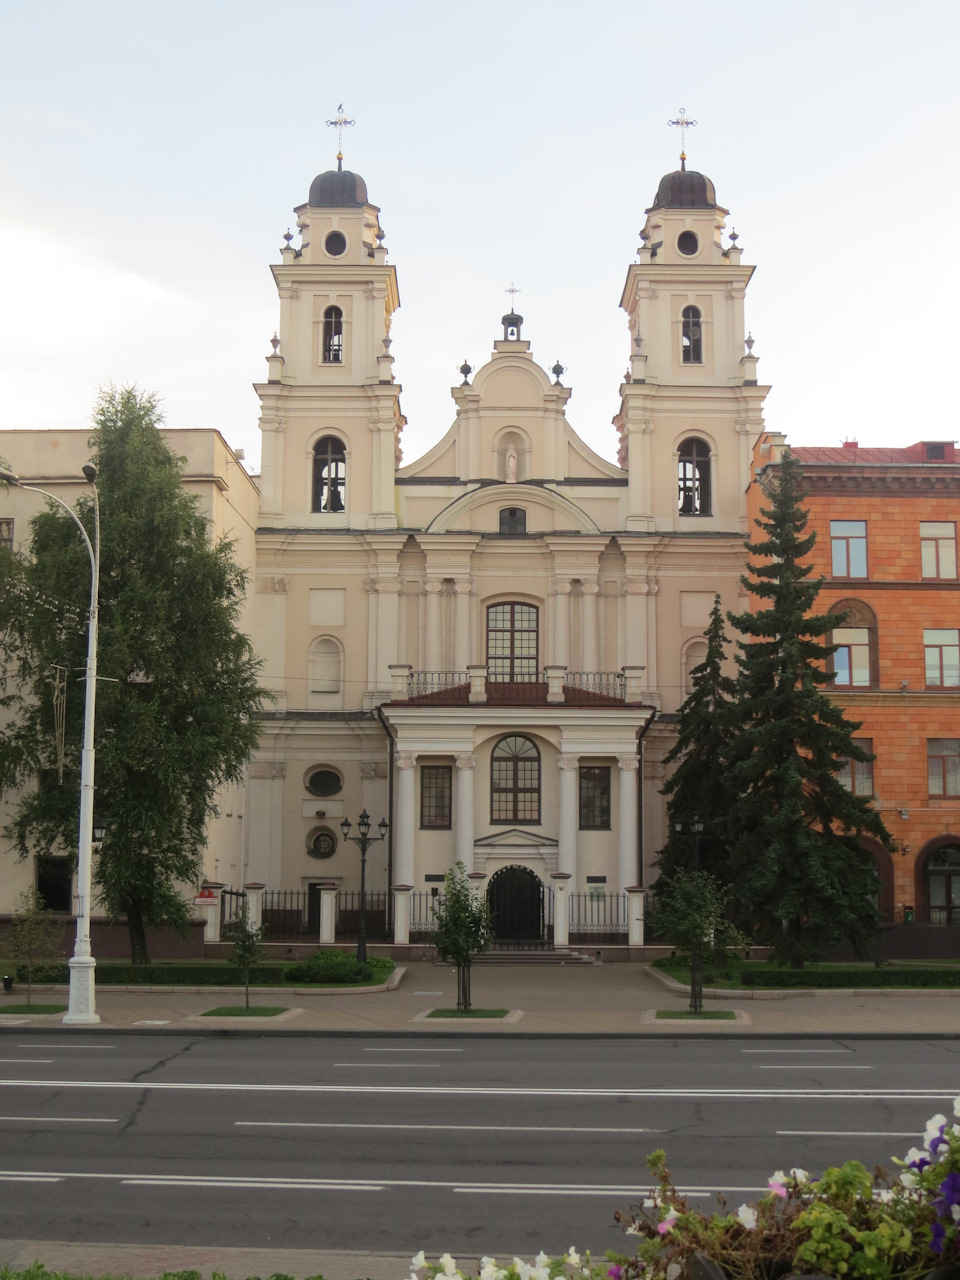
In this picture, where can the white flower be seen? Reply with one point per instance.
(884, 1196)
(448, 1265)
(800, 1176)
(955, 1212)
(747, 1216)
(524, 1269)
(572, 1257)
(934, 1125)
(489, 1269)
(779, 1176)
(541, 1260)
(908, 1179)
(956, 1105)
(418, 1261)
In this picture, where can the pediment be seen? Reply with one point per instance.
(513, 838)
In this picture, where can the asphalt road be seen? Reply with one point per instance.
(392, 1145)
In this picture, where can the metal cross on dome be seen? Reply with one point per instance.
(513, 291)
(682, 123)
(340, 124)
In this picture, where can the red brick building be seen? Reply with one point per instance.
(886, 525)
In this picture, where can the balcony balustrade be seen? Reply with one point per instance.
(554, 684)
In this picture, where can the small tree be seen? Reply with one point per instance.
(699, 788)
(802, 879)
(690, 913)
(462, 928)
(36, 934)
(247, 946)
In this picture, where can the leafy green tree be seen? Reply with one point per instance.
(35, 934)
(463, 928)
(247, 945)
(690, 913)
(177, 693)
(801, 878)
(698, 789)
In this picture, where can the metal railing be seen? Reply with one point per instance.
(232, 902)
(291, 914)
(610, 683)
(598, 917)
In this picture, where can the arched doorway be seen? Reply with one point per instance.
(942, 874)
(515, 895)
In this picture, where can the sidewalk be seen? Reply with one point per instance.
(612, 999)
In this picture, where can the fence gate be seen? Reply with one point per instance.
(518, 904)
(232, 902)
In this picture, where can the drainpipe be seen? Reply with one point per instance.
(640, 738)
(391, 742)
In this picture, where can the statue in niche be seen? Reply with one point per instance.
(510, 464)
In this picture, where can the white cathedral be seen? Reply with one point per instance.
(486, 646)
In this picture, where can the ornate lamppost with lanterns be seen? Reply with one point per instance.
(364, 840)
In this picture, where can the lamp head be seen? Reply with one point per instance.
(9, 476)
(345, 828)
(99, 831)
(384, 825)
(90, 472)
(363, 824)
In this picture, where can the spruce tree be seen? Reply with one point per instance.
(177, 689)
(801, 878)
(699, 789)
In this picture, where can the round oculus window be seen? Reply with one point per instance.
(335, 244)
(323, 845)
(687, 243)
(324, 782)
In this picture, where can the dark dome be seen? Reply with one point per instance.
(337, 189)
(685, 189)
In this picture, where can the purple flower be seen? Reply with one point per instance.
(615, 1273)
(938, 1231)
(949, 1195)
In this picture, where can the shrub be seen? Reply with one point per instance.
(329, 966)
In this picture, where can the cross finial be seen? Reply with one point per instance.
(513, 291)
(340, 124)
(683, 124)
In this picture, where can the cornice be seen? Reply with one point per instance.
(884, 478)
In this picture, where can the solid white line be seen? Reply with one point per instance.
(66, 1046)
(798, 1066)
(841, 1133)
(46, 1060)
(29, 1177)
(573, 1191)
(413, 1051)
(397, 1066)
(479, 1091)
(259, 1184)
(63, 1119)
(796, 1051)
(448, 1128)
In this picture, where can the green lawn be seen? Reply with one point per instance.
(32, 1008)
(883, 976)
(725, 1014)
(241, 1011)
(469, 1013)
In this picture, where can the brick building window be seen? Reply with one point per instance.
(941, 658)
(855, 664)
(436, 788)
(857, 775)
(595, 798)
(938, 549)
(848, 548)
(943, 766)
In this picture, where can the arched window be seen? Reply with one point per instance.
(513, 520)
(329, 474)
(512, 643)
(693, 498)
(333, 336)
(692, 336)
(515, 781)
(693, 655)
(325, 675)
(854, 665)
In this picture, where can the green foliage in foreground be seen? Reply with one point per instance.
(245, 1011)
(32, 1008)
(824, 976)
(39, 1272)
(201, 973)
(716, 1014)
(468, 1013)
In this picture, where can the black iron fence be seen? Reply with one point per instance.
(232, 902)
(294, 914)
(598, 917)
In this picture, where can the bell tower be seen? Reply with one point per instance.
(330, 409)
(691, 405)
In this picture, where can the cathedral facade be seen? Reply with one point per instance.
(487, 646)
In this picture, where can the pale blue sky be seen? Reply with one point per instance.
(151, 155)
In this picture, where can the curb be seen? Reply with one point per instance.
(751, 993)
(305, 989)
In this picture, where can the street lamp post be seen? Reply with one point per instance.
(695, 827)
(82, 1010)
(364, 840)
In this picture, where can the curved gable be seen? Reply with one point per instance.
(469, 511)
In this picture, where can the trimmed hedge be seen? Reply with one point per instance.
(329, 966)
(158, 975)
(850, 977)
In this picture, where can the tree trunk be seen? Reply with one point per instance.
(138, 936)
(246, 979)
(696, 983)
(463, 988)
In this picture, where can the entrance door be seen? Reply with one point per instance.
(515, 896)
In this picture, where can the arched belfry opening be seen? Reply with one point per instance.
(511, 326)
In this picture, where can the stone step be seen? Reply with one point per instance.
(533, 957)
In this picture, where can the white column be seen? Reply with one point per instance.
(388, 631)
(561, 908)
(567, 851)
(465, 831)
(627, 825)
(328, 915)
(433, 637)
(635, 904)
(254, 904)
(373, 630)
(561, 628)
(401, 914)
(461, 634)
(406, 817)
(589, 629)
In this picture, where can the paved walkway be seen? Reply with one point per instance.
(611, 999)
(603, 999)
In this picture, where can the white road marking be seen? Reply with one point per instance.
(153, 1022)
(261, 1184)
(447, 1128)
(796, 1051)
(57, 1045)
(396, 1066)
(806, 1066)
(413, 1050)
(63, 1119)
(841, 1133)
(508, 1091)
(29, 1177)
(47, 1060)
(429, 993)
(572, 1191)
